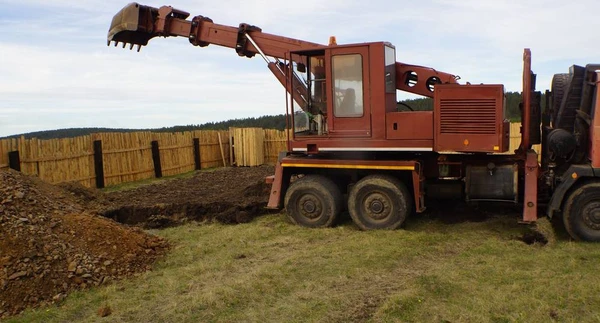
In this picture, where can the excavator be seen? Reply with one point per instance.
(353, 148)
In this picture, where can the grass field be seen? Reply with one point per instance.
(271, 271)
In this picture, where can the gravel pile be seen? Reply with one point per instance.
(51, 244)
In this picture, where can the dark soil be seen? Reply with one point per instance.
(227, 195)
(534, 237)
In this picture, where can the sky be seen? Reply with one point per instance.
(57, 72)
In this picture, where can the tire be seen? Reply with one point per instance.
(313, 201)
(581, 214)
(379, 202)
(558, 87)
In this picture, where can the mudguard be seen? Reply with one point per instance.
(573, 175)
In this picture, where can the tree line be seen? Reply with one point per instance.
(512, 100)
(267, 122)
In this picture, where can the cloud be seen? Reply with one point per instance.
(57, 71)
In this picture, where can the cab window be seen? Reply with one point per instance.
(348, 85)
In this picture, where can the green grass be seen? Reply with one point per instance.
(272, 271)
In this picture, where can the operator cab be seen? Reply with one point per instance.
(339, 83)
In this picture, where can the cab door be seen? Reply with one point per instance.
(348, 82)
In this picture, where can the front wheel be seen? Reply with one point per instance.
(379, 202)
(581, 214)
(313, 201)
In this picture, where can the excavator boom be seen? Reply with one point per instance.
(136, 24)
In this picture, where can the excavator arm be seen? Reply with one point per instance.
(136, 24)
(421, 80)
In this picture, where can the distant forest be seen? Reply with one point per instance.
(513, 99)
(268, 122)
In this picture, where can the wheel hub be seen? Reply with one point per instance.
(310, 206)
(591, 215)
(377, 206)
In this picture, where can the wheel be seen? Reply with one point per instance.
(581, 214)
(559, 86)
(379, 202)
(313, 201)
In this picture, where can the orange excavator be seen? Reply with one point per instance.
(354, 148)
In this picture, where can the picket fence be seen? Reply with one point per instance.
(105, 159)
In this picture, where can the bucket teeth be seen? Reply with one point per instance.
(139, 47)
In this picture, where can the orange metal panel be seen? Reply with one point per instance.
(276, 187)
(409, 125)
(527, 88)
(531, 187)
(358, 144)
(469, 118)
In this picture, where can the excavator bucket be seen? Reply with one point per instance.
(132, 25)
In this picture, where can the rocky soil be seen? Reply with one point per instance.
(51, 245)
(58, 238)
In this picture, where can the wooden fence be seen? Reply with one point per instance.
(105, 159)
(275, 141)
(247, 146)
(515, 138)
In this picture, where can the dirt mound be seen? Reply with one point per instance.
(227, 195)
(82, 194)
(91, 199)
(50, 245)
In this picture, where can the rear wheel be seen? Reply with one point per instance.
(313, 201)
(581, 214)
(379, 202)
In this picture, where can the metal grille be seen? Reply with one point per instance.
(468, 116)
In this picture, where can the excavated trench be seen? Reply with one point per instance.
(168, 215)
(227, 195)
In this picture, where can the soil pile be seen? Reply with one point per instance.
(227, 195)
(51, 244)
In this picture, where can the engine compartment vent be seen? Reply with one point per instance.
(470, 118)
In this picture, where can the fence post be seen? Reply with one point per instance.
(98, 164)
(14, 161)
(156, 159)
(197, 154)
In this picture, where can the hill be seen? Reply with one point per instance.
(268, 122)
